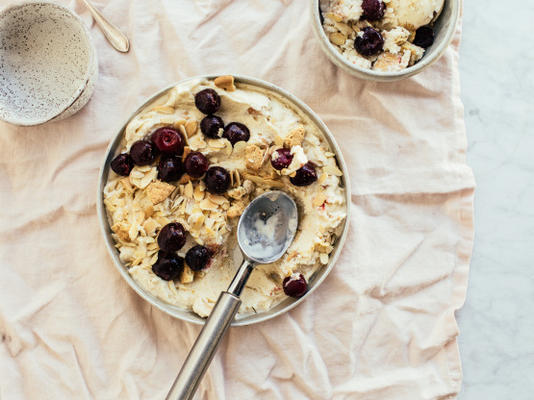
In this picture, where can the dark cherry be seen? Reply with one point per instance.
(281, 158)
(424, 37)
(368, 41)
(197, 257)
(236, 132)
(295, 285)
(373, 10)
(122, 164)
(210, 126)
(170, 168)
(305, 175)
(196, 164)
(143, 152)
(168, 266)
(171, 237)
(168, 140)
(207, 101)
(217, 180)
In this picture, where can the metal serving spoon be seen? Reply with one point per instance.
(264, 232)
(114, 36)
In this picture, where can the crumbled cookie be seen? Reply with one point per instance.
(225, 82)
(295, 137)
(254, 157)
(236, 209)
(158, 191)
(121, 230)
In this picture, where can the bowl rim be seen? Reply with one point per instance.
(88, 74)
(379, 76)
(190, 316)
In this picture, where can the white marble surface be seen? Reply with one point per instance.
(497, 321)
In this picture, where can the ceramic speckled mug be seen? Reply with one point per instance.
(48, 64)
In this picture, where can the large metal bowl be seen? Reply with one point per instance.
(178, 312)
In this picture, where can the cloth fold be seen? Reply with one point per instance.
(381, 326)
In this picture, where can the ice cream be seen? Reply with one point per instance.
(382, 35)
(139, 205)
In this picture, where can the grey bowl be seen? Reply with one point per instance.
(444, 31)
(178, 312)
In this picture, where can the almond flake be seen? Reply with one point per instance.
(163, 109)
(187, 275)
(191, 127)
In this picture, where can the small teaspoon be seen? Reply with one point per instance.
(114, 36)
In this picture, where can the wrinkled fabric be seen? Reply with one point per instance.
(381, 326)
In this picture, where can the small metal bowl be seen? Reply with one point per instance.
(444, 29)
(190, 316)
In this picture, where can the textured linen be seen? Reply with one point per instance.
(381, 326)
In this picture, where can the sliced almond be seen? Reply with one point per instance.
(179, 123)
(333, 170)
(198, 193)
(337, 38)
(187, 275)
(188, 190)
(207, 204)
(163, 109)
(191, 127)
(216, 143)
(263, 181)
(150, 226)
(217, 199)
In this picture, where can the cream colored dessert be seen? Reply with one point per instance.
(396, 21)
(139, 205)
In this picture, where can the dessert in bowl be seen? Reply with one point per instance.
(185, 168)
(384, 40)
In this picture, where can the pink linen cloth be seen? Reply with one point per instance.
(381, 326)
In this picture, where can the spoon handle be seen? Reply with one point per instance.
(114, 36)
(205, 347)
(208, 340)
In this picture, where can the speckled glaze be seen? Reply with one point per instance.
(444, 28)
(48, 64)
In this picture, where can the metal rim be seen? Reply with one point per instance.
(189, 316)
(89, 72)
(371, 75)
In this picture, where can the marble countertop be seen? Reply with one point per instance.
(497, 321)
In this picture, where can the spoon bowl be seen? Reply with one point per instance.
(267, 227)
